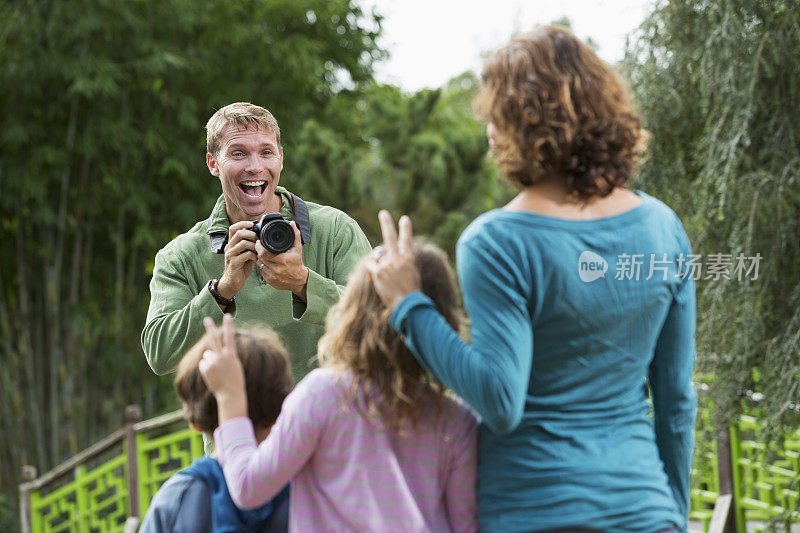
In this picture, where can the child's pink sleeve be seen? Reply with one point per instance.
(255, 474)
(460, 487)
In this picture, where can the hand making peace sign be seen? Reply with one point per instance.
(392, 267)
(222, 370)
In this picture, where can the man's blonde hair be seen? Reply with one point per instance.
(242, 114)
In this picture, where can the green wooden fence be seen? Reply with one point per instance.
(99, 489)
(766, 479)
(764, 476)
(705, 471)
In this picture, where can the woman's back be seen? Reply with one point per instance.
(595, 306)
(597, 293)
(564, 335)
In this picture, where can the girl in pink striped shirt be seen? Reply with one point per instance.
(370, 441)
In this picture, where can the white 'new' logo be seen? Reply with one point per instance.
(591, 266)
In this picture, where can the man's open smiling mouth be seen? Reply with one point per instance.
(253, 188)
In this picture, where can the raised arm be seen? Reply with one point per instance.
(492, 373)
(256, 473)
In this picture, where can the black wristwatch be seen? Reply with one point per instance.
(213, 285)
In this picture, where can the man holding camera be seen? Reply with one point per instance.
(222, 265)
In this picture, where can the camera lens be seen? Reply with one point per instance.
(277, 236)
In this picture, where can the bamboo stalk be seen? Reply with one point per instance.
(53, 274)
(26, 300)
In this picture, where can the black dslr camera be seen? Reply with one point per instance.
(274, 232)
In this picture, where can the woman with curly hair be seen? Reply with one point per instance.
(579, 307)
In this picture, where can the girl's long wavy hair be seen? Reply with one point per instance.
(559, 110)
(392, 385)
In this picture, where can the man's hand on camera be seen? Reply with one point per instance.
(284, 271)
(240, 255)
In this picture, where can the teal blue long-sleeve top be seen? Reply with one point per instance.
(567, 340)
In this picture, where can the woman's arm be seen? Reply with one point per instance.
(673, 393)
(491, 374)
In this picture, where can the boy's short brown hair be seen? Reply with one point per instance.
(267, 375)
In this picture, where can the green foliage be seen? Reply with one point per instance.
(718, 87)
(8, 515)
(102, 162)
(420, 154)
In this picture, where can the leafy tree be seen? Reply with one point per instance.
(102, 162)
(433, 158)
(421, 154)
(718, 87)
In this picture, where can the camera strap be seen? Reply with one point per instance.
(218, 241)
(301, 218)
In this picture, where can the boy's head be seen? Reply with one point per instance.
(267, 374)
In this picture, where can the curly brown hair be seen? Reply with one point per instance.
(390, 382)
(267, 377)
(558, 110)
